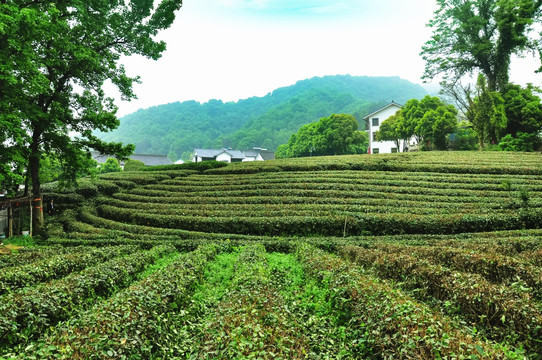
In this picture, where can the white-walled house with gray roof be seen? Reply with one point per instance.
(229, 155)
(374, 120)
(224, 155)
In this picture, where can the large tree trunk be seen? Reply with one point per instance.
(34, 168)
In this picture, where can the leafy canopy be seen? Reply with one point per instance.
(480, 36)
(429, 120)
(110, 165)
(523, 109)
(487, 114)
(333, 135)
(55, 57)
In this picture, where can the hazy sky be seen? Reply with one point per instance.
(235, 49)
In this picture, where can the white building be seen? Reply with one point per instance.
(224, 155)
(229, 155)
(374, 120)
(258, 154)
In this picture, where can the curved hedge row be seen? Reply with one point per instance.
(330, 225)
(500, 311)
(464, 162)
(27, 314)
(133, 321)
(397, 326)
(493, 267)
(56, 267)
(26, 256)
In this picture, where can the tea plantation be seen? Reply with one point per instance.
(400, 256)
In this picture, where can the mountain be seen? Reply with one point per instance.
(177, 128)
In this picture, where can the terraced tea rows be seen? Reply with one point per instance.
(331, 203)
(224, 302)
(428, 255)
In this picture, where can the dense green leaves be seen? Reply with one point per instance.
(333, 135)
(523, 109)
(55, 60)
(480, 36)
(463, 295)
(266, 121)
(429, 120)
(110, 165)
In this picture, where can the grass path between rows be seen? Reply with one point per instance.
(257, 305)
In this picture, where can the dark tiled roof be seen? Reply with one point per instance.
(382, 108)
(213, 153)
(147, 159)
(207, 153)
(151, 159)
(267, 155)
(235, 154)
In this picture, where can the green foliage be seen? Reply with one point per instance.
(523, 109)
(469, 296)
(430, 120)
(487, 114)
(133, 165)
(200, 166)
(520, 142)
(449, 294)
(55, 267)
(392, 322)
(50, 169)
(480, 36)
(57, 57)
(25, 241)
(391, 130)
(333, 135)
(464, 138)
(265, 121)
(23, 318)
(150, 303)
(110, 165)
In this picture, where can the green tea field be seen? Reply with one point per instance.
(433, 255)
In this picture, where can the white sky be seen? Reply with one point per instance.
(235, 49)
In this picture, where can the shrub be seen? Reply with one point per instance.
(521, 142)
(133, 165)
(200, 166)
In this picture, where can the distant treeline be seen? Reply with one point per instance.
(177, 128)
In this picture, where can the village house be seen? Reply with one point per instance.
(258, 154)
(373, 121)
(228, 155)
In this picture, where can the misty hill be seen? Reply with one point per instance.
(177, 128)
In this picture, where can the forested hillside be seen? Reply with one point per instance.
(268, 121)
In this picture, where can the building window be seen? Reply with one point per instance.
(374, 137)
(375, 151)
(393, 150)
(375, 122)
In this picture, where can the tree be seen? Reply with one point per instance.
(438, 123)
(333, 135)
(520, 142)
(430, 120)
(50, 168)
(464, 138)
(54, 59)
(480, 36)
(110, 165)
(390, 130)
(486, 113)
(523, 109)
